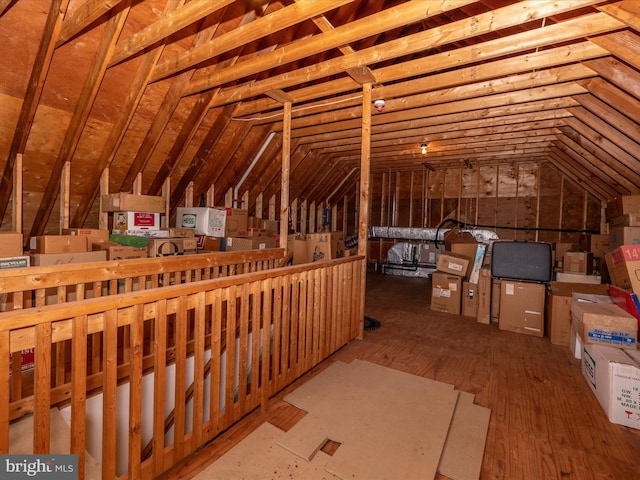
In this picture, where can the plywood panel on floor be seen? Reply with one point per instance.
(390, 424)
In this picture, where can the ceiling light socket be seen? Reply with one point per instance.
(379, 104)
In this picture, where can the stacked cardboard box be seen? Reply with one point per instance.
(11, 254)
(314, 247)
(446, 283)
(622, 215)
(49, 250)
(522, 307)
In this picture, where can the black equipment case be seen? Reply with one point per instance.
(521, 260)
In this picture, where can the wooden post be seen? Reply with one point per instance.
(137, 184)
(166, 193)
(365, 169)
(188, 195)
(259, 205)
(65, 186)
(228, 198)
(17, 194)
(272, 207)
(211, 199)
(294, 215)
(312, 217)
(345, 214)
(103, 220)
(286, 166)
(334, 218)
(303, 217)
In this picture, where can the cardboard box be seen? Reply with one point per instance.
(467, 250)
(623, 205)
(324, 246)
(48, 259)
(236, 222)
(496, 285)
(613, 375)
(569, 277)
(484, 295)
(522, 307)
(623, 264)
(115, 251)
(560, 248)
(604, 324)
(59, 244)
(626, 300)
(300, 251)
(179, 232)
(22, 261)
(271, 226)
(428, 253)
(578, 262)
(619, 236)
(558, 308)
(598, 244)
(469, 299)
(120, 202)
(627, 220)
(135, 221)
(233, 244)
(94, 235)
(10, 244)
(202, 220)
(209, 244)
(446, 293)
(452, 263)
(169, 247)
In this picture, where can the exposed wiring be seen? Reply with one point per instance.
(300, 109)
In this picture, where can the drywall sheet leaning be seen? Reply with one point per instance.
(390, 424)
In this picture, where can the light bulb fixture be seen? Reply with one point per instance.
(423, 148)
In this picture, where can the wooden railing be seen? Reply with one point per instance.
(39, 286)
(224, 346)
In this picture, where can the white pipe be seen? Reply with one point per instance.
(346, 177)
(253, 164)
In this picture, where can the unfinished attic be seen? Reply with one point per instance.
(208, 208)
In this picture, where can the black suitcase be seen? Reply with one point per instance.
(524, 261)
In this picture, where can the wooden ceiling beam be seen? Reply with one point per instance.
(500, 18)
(574, 171)
(627, 11)
(83, 16)
(164, 27)
(612, 116)
(613, 96)
(251, 32)
(399, 15)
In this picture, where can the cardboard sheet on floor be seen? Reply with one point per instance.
(390, 424)
(258, 457)
(464, 448)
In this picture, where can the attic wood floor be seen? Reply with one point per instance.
(545, 421)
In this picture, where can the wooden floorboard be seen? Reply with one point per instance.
(545, 421)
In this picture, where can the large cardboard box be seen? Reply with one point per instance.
(249, 243)
(571, 277)
(179, 232)
(619, 236)
(94, 235)
(446, 293)
(604, 324)
(202, 220)
(48, 259)
(578, 262)
(324, 246)
(169, 247)
(484, 295)
(623, 264)
(469, 299)
(623, 205)
(115, 251)
(236, 222)
(614, 377)
(300, 251)
(453, 263)
(558, 305)
(522, 307)
(10, 244)
(135, 221)
(59, 244)
(120, 202)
